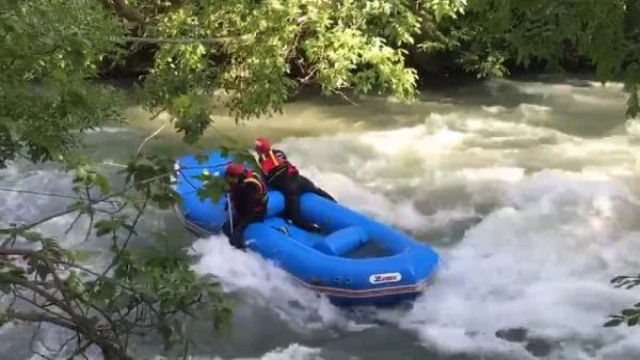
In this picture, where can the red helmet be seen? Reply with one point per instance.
(262, 145)
(234, 169)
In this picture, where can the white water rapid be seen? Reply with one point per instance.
(532, 199)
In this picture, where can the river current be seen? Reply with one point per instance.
(530, 191)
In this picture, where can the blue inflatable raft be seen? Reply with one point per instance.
(358, 262)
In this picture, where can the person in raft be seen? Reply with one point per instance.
(248, 197)
(281, 175)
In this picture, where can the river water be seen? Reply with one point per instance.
(529, 191)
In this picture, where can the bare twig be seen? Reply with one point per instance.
(30, 192)
(157, 113)
(71, 225)
(125, 11)
(80, 350)
(76, 208)
(44, 307)
(32, 343)
(71, 305)
(126, 242)
(30, 285)
(346, 98)
(66, 342)
(30, 252)
(11, 239)
(90, 226)
(98, 275)
(148, 138)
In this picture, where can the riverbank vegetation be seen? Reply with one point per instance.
(182, 55)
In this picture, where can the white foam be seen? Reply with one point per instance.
(496, 109)
(544, 266)
(291, 352)
(108, 129)
(268, 286)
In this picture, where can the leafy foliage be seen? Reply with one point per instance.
(137, 291)
(249, 50)
(213, 185)
(630, 316)
(48, 50)
(524, 31)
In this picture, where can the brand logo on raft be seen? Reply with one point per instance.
(385, 278)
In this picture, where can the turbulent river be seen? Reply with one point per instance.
(530, 191)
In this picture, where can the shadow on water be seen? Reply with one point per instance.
(549, 102)
(577, 107)
(574, 107)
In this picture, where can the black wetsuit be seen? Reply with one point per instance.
(293, 185)
(249, 206)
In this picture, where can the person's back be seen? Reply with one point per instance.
(274, 166)
(248, 197)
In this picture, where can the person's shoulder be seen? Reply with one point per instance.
(252, 183)
(280, 153)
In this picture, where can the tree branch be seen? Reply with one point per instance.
(76, 208)
(122, 9)
(80, 350)
(17, 252)
(146, 140)
(44, 306)
(35, 317)
(211, 40)
(77, 318)
(5, 277)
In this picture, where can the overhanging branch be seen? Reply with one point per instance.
(122, 9)
(209, 40)
(6, 278)
(35, 317)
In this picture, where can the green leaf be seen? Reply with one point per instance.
(167, 333)
(224, 151)
(104, 227)
(201, 158)
(121, 301)
(32, 236)
(613, 322)
(103, 183)
(105, 291)
(5, 288)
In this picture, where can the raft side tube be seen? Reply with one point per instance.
(313, 267)
(333, 216)
(342, 241)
